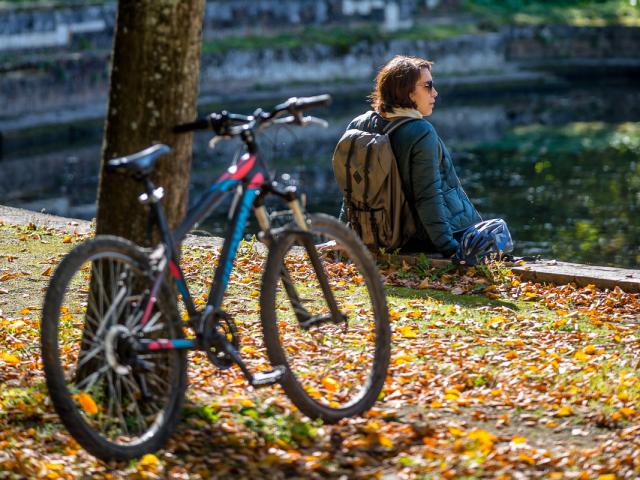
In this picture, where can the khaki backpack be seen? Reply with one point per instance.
(367, 172)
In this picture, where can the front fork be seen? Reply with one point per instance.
(305, 319)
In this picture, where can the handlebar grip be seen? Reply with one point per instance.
(200, 124)
(296, 104)
(312, 102)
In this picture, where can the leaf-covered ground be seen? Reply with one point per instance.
(490, 378)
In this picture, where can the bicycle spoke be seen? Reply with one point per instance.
(92, 378)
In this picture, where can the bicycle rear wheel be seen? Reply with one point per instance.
(117, 404)
(336, 358)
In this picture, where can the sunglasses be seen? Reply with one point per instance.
(429, 85)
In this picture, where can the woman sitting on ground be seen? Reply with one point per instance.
(442, 211)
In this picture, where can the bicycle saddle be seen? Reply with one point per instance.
(137, 164)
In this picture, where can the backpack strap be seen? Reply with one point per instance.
(349, 189)
(392, 125)
(372, 218)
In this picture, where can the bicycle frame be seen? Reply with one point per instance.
(246, 178)
(250, 181)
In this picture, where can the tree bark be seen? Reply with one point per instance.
(154, 85)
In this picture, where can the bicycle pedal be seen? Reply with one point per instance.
(268, 377)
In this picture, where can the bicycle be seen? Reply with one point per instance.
(113, 342)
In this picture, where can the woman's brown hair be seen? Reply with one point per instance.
(395, 82)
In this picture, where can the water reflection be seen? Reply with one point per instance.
(571, 192)
(567, 183)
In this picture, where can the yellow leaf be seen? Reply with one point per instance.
(408, 332)
(607, 476)
(24, 311)
(623, 396)
(590, 350)
(496, 320)
(581, 356)
(436, 404)
(456, 431)
(66, 239)
(627, 411)
(247, 350)
(518, 440)
(246, 403)
(87, 403)
(330, 384)
(148, 460)
(415, 314)
(486, 439)
(9, 358)
(564, 411)
(401, 358)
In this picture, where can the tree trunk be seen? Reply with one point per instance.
(154, 85)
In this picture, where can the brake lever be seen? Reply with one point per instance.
(216, 140)
(287, 119)
(309, 120)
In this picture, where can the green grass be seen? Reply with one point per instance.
(571, 12)
(341, 38)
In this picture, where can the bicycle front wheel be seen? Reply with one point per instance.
(325, 318)
(117, 403)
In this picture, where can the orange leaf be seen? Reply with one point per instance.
(385, 441)
(526, 458)
(87, 403)
(330, 384)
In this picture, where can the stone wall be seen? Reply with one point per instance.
(50, 26)
(567, 42)
(79, 80)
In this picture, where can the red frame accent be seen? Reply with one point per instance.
(240, 169)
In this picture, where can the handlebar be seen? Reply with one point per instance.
(232, 124)
(303, 103)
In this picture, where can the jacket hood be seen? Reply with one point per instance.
(370, 121)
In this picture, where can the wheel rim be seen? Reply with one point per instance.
(120, 397)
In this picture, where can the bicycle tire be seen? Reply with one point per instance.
(320, 397)
(113, 415)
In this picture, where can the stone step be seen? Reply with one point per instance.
(556, 272)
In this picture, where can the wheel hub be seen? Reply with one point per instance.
(119, 349)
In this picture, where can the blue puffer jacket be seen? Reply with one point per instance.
(429, 179)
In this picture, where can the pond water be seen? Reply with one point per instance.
(561, 165)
